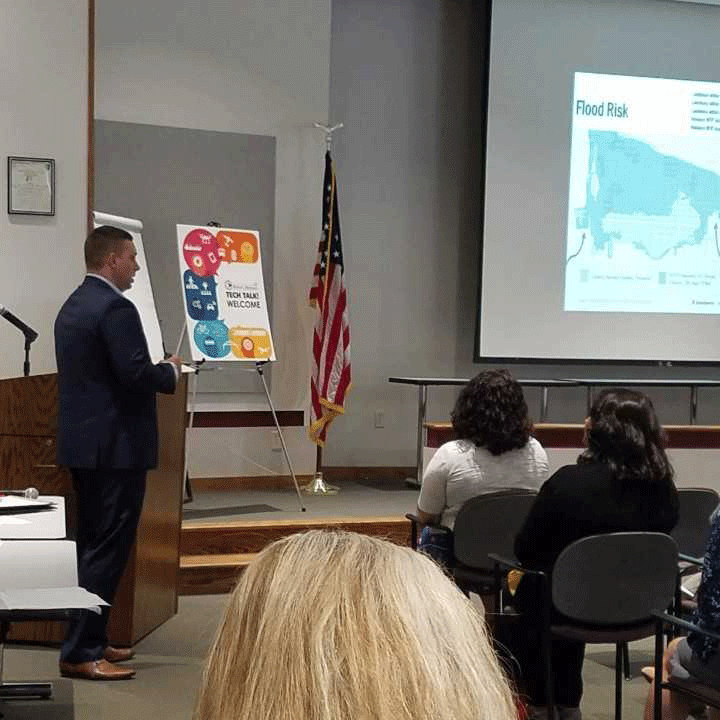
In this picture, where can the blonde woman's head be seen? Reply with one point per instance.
(340, 626)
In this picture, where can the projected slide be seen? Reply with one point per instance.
(644, 201)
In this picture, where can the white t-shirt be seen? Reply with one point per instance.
(460, 470)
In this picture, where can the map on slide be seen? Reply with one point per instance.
(644, 201)
(656, 202)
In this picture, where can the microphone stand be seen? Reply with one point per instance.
(28, 333)
(26, 363)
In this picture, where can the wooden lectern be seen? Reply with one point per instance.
(147, 595)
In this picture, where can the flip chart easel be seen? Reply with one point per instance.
(141, 293)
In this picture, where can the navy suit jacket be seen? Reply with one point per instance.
(107, 416)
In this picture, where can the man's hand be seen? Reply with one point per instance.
(175, 360)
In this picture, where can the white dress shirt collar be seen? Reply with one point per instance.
(105, 280)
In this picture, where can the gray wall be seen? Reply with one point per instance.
(259, 68)
(400, 80)
(406, 79)
(43, 96)
(166, 176)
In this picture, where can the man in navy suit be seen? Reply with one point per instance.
(107, 434)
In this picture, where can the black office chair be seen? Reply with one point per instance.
(25, 690)
(690, 535)
(487, 524)
(694, 689)
(484, 524)
(22, 575)
(606, 588)
(693, 526)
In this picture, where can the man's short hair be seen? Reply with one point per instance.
(101, 242)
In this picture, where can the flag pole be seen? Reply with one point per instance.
(329, 130)
(318, 486)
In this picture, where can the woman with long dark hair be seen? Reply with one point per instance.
(622, 482)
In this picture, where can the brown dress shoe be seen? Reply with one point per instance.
(95, 670)
(115, 655)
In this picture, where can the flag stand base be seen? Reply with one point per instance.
(318, 486)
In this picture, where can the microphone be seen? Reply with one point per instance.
(26, 330)
(30, 493)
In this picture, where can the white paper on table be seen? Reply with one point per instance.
(48, 523)
(13, 520)
(54, 598)
(37, 564)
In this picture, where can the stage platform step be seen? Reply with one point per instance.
(211, 574)
(212, 554)
(251, 536)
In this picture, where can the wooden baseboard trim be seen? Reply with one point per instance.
(338, 473)
(332, 474)
(250, 482)
(550, 435)
(246, 418)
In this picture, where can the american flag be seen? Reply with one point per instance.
(331, 338)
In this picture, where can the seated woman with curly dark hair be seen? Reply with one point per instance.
(493, 451)
(623, 482)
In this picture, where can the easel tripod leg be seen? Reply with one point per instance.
(259, 368)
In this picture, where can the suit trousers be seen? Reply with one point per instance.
(109, 503)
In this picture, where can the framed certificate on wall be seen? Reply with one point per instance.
(31, 186)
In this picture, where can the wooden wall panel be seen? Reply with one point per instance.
(43, 633)
(30, 462)
(147, 595)
(571, 436)
(28, 406)
(27, 459)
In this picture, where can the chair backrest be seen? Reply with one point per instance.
(615, 579)
(488, 524)
(693, 527)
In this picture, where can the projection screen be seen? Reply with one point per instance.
(602, 182)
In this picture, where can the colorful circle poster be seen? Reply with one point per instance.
(222, 284)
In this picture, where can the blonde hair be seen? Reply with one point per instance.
(339, 626)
